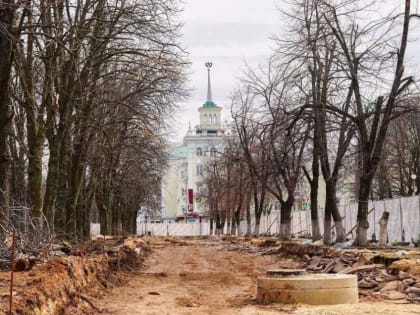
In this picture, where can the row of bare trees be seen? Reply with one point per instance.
(85, 88)
(336, 89)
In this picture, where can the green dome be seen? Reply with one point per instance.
(209, 104)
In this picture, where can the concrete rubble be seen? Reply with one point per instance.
(392, 274)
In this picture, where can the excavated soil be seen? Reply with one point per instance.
(68, 283)
(201, 277)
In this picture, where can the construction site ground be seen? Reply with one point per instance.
(209, 275)
(205, 277)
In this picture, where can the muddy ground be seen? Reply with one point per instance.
(203, 277)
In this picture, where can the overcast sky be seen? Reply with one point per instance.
(230, 33)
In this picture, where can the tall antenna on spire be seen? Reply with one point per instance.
(209, 64)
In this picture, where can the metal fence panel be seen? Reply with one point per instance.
(404, 216)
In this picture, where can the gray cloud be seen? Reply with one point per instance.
(209, 35)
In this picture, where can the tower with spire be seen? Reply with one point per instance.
(210, 113)
(183, 184)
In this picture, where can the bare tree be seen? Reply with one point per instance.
(368, 50)
(253, 147)
(313, 54)
(87, 78)
(273, 135)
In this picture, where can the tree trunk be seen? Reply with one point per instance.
(7, 16)
(218, 225)
(257, 221)
(75, 181)
(83, 212)
(332, 208)
(35, 146)
(340, 230)
(5, 163)
(58, 138)
(18, 186)
(228, 225)
(286, 218)
(362, 213)
(316, 230)
(327, 227)
(60, 217)
(248, 221)
(233, 226)
(133, 222)
(238, 221)
(222, 223)
(51, 188)
(104, 213)
(314, 183)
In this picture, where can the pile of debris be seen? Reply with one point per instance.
(259, 246)
(392, 284)
(381, 274)
(331, 263)
(395, 281)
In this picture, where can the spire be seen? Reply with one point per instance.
(208, 64)
(209, 103)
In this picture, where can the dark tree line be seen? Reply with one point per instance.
(85, 88)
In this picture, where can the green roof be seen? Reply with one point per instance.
(209, 104)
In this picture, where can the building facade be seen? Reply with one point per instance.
(183, 182)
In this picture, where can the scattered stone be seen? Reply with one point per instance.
(395, 295)
(403, 275)
(409, 282)
(365, 258)
(413, 290)
(390, 286)
(367, 284)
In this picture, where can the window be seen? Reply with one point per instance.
(213, 152)
(199, 152)
(205, 119)
(200, 189)
(199, 169)
(214, 119)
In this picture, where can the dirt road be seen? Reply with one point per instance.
(201, 278)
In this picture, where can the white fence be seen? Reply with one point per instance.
(174, 229)
(404, 219)
(268, 225)
(95, 229)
